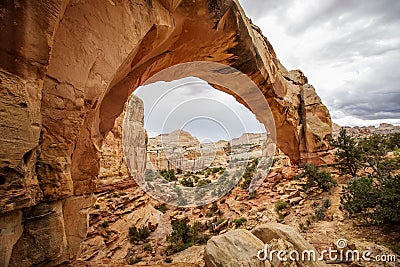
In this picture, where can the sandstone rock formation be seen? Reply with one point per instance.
(66, 71)
(241, 247)
(113, 172)
(234, 249)
(266, 233)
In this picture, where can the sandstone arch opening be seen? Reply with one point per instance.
(195, 130)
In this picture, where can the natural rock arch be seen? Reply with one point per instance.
(170, 38)
(68, 68)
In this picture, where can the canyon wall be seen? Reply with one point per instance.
(67, 68)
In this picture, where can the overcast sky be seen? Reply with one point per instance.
(192, 105)
(348, 49)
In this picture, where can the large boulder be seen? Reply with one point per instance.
(272, 231)
(260, 248)
(234, 248)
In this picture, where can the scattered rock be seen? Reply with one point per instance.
(296, 200)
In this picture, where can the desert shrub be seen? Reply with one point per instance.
(314, 176)
(140, 234)
(168, 260)
(203, 182)
(373, 200)
(394, 141)
(187, 181)
(281, 205)
(105, 224)
(319, 213)
(248, 173)
(368, 152)
(163, 208)
(373, 194)
(184, 235)
(213, 209)
(320, 210)
(375, 149)
(147, 247)
(348, 153)
(196, 178)
(217, 170)
(238, 222)
(252, 195)
(168, 175)
(326, 203)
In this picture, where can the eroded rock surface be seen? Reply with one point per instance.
(268, 232)
(114, 171)
(242, 248)
(234, 249)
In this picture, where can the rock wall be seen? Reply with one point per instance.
(114, 172)
(67, 68)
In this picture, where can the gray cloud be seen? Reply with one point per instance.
(350, 51)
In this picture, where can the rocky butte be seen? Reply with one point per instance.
(66, 71)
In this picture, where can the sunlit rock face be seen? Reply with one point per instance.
(114, 171)
(66, 71)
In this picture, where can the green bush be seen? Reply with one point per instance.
(348, 153)
(203, 182)
(238, 222)
(319, 213)
(326, 203)
(394, 141)
(374, 149)
(281, 205)
(248, 173)
(163, 208)
(187, 181)
(317, 177)
(184, 235)
(147, 247)
(140, 234)
(373, 194)
(354, 155)
(213, 209)
(320, 210)
(105, 224)
(372, 200)
(168, 175)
